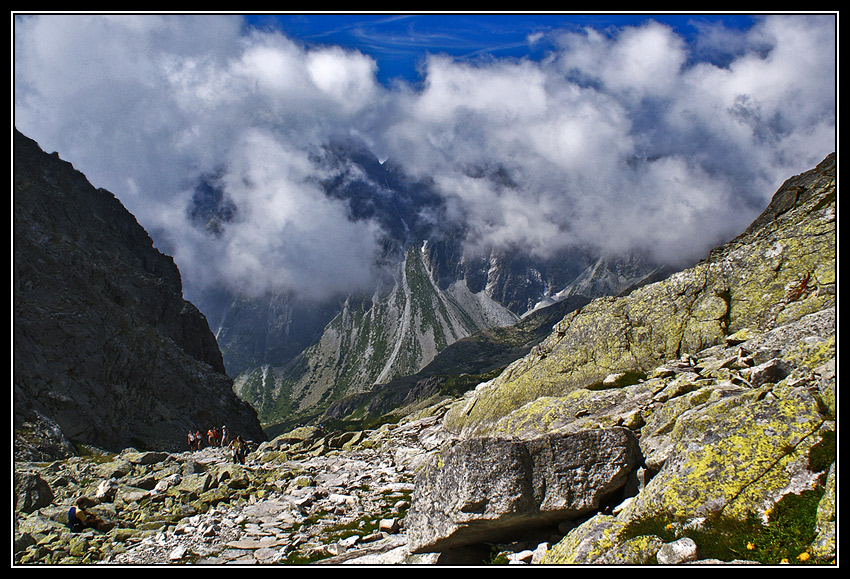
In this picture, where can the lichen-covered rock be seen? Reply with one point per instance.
(824, 546)
(194, 485)
(580, 410)
(482, 489)
(588, 543)
(780, 270)
(634, 551)
(735, 455)
(730, 449)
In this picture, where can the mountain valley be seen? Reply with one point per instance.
(596, 411)
(292, 358)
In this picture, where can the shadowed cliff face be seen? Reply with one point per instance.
(106, 350)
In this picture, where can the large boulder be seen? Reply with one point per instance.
(484, 489)
(31, 492)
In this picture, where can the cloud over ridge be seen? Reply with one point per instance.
(636, 138)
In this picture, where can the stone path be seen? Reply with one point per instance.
(306, 520)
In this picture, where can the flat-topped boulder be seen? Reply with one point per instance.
(483, 489)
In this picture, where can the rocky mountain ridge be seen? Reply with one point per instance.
(391, 335)
(459, 367)
(106, 350)
(397, 332)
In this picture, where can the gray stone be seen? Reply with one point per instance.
(771, 371)
(389, 525)
(482, 489)
(677, 552)
(106, 491)
(31, 492)
(145, 458)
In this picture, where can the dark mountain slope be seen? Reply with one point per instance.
(106, 350)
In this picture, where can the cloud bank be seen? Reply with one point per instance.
(636, 138)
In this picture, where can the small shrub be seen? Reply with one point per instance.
(789, 532)
(497, 557)
(823, 454)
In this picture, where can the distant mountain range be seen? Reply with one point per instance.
(292, 359)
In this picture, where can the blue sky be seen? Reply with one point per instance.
(398, 41)
(665, 133)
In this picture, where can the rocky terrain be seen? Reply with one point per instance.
(300, 499)
(692, 420)
(308, 496)
(412, 493)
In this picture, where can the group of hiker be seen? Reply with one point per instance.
(79, 518)
(219, 438)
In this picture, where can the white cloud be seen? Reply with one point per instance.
(618, 140)
(638, 62)
(347, 78)
(614, 140)
(287, 233)
(144, 112)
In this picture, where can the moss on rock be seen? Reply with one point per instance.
(779, 271)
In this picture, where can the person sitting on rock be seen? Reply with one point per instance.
(80, 519)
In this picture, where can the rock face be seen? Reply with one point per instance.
(780, 270)
(725, 372)
(106, 350)
(459, 366)
(485, 489)
(393, 334)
